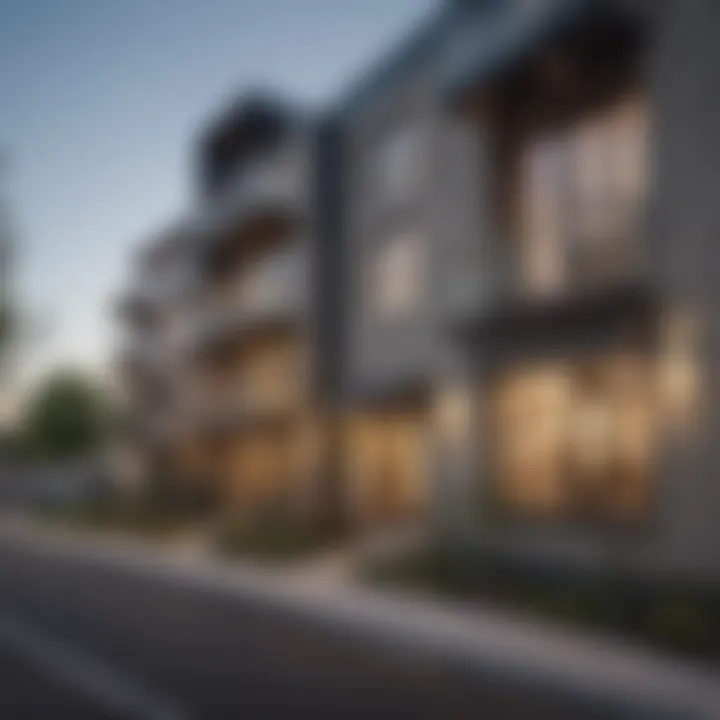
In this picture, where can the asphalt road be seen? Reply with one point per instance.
(82, 640)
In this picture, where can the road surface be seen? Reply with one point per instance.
(80, 639)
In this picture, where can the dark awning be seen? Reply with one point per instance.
(622, 314)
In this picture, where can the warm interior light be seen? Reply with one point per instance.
(680, 382)
(576, 437)
(453, 415)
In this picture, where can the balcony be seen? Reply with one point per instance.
(147, 353)
(271, 293)
(494, 301)
(566, 239)
(267, 198)
(232, 405)
(166, 425)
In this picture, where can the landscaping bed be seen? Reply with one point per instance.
(137, 515)
(679, 618)
(269, 541)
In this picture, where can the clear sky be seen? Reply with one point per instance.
(99, 100)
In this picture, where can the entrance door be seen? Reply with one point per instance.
(390, 467)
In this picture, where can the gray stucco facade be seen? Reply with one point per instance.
(467, 322)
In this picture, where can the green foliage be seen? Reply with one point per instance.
(6, 326)
(669, 615)
(274, 537)
(7, 253)
(133, 515)
(66, 417)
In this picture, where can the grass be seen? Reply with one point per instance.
(139, 516)
(271, 541)
(681, 619)
(271, 537)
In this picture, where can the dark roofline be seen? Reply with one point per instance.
(243, 126)
(401, 58)
(256, 101)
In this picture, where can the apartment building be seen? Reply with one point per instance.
(493, 271)
(530, 332)
(156, 312)
(258, 379)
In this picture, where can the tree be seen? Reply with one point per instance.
(7, 316)
(67, 416)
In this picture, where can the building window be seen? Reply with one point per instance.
(268, 375)
(388, 464)
(543, 256)
(577, 440)
(609, 178)
(582, 197)
(396, 174)
(680, 373)
(398, 275)
(269, 281)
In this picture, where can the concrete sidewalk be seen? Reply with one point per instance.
(636, 681)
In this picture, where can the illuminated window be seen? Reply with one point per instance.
(577, 439)
(680, 373)
(543, 263)
(531, 426)
(387, 452)
(582, 197)
(609, 181)
(398, 275)
(269, 375)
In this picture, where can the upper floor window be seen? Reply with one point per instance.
(268, 281)
(396, 171)
(269, 373)
(582, 198)
(398, 275)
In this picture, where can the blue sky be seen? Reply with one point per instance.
(99, 100)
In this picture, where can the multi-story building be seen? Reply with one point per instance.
(259, 379)
(500, 259)
(528, 234)
(156, 312)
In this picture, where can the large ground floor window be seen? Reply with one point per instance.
(264, 468)
(387, 456)
(576, 439)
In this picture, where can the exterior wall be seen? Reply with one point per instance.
(388, 356)
(452, 214)
(682, 532)
(152, 367)
(466, 274)
(267, 313)
(685, 220)
(385, 351)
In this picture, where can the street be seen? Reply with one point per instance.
(82, 640)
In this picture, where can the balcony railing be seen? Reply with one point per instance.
(277, 283)
(272, 291)
(246, 400)
(479, 291)
(270, 188)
